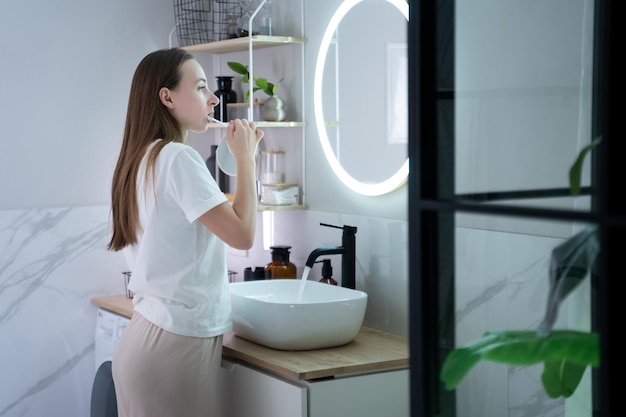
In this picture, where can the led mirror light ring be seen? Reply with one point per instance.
(370, 189)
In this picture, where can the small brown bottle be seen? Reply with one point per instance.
(280, 267)
(327, 272)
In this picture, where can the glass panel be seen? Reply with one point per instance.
(502, 283)
(523, 91)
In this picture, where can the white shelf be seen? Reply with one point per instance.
(265, 207)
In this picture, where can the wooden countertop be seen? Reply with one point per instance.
(119, 304)
(371, 351)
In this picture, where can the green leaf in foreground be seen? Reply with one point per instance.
(560, 378)
(577, 167)
(570, 262)
(561, 349)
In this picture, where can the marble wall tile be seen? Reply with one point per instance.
(52, 263)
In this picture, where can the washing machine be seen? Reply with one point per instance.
(109, 328)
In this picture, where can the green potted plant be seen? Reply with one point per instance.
(565, 353)
(273, 108)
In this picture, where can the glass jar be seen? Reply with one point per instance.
(248, 7)
(231, 27)
(272, 167)
(265, 24)
(280, 267)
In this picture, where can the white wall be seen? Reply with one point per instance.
(66, 69)
(523, 93)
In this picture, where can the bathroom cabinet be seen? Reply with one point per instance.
(248, 391)
(367, 377)
(245, 391)
(296, 127)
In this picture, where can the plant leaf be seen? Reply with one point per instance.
(274, 86)
(577, 166)
(521, 348)
(238, 68)
(560, 378)
(569, 264)
(261, 83)
(264, 85)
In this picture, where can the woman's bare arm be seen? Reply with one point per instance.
(236, 224)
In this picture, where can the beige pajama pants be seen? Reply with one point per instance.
(161, 374)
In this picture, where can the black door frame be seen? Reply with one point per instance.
(432, 204)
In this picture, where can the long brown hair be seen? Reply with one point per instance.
(147, 120)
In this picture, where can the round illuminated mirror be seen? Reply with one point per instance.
(360, 95)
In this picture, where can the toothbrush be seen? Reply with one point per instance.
(219, 122)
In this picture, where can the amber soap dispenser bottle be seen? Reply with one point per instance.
(327, 272)
(280, 267)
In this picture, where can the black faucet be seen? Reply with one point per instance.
(348, 252)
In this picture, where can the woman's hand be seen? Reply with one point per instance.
(243, 139)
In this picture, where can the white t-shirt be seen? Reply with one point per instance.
(179, 272)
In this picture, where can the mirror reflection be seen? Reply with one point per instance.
(364, 85)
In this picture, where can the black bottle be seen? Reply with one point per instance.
(214, 169)
(211, 162)
(226, 94)
(258, 273)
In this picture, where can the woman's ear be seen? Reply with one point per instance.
(166, 97)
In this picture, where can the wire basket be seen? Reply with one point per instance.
(204, 21)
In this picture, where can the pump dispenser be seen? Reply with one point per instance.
(327, 272)
(280, 267)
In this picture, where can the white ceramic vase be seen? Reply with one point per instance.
(273, 109)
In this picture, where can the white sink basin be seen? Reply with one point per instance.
(270, 313)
